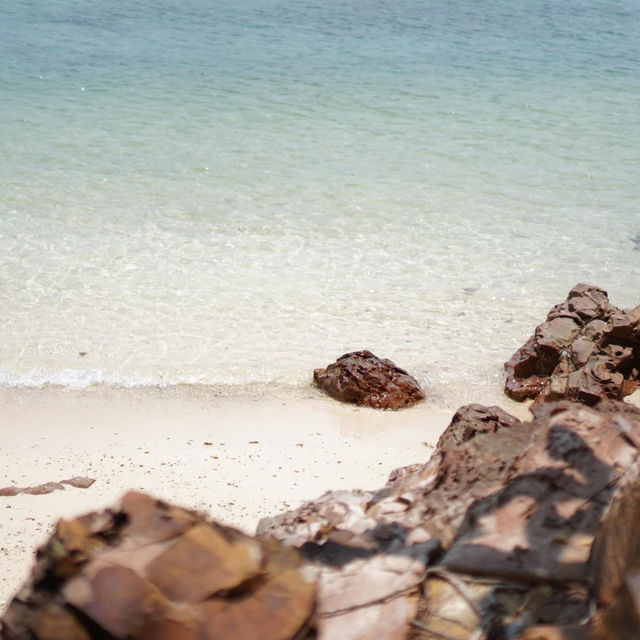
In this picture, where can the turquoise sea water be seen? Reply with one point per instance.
(232, 193)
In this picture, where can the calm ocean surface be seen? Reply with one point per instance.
(232, 193)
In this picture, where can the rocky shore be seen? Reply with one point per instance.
(512, 529)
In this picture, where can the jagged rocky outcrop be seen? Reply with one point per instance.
(524, 515)
(360, 377)
(586, 350)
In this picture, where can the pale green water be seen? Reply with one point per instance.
(230, 193)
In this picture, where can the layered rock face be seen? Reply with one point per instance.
(585, 351)
(362, 378)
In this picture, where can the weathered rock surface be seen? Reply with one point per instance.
(520, 516)
(150, 571)
(473, 419)
(541, 524)
(615, 564)
(362, 378)
(586, 350)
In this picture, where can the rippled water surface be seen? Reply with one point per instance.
(237, 192)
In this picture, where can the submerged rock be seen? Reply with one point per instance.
(585, 351)
(362, 378)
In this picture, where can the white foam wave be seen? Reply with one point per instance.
(79, 379)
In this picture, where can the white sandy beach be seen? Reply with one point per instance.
(237, 459)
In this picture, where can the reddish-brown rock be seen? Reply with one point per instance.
(585, 351)
(150, 571)
(621, 620)
(542, 523)
(362, 378)
(427, 500)
(473, 419)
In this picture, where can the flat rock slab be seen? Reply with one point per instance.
(586, 350)
(362, 378)
(367, 594)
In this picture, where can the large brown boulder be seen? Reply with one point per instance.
(149, 571)
(362, 378)
(585, 351)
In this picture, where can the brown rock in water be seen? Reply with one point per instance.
(150, 571)
(585, 351)
(362, 378)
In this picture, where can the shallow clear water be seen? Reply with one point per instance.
(236, 192)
